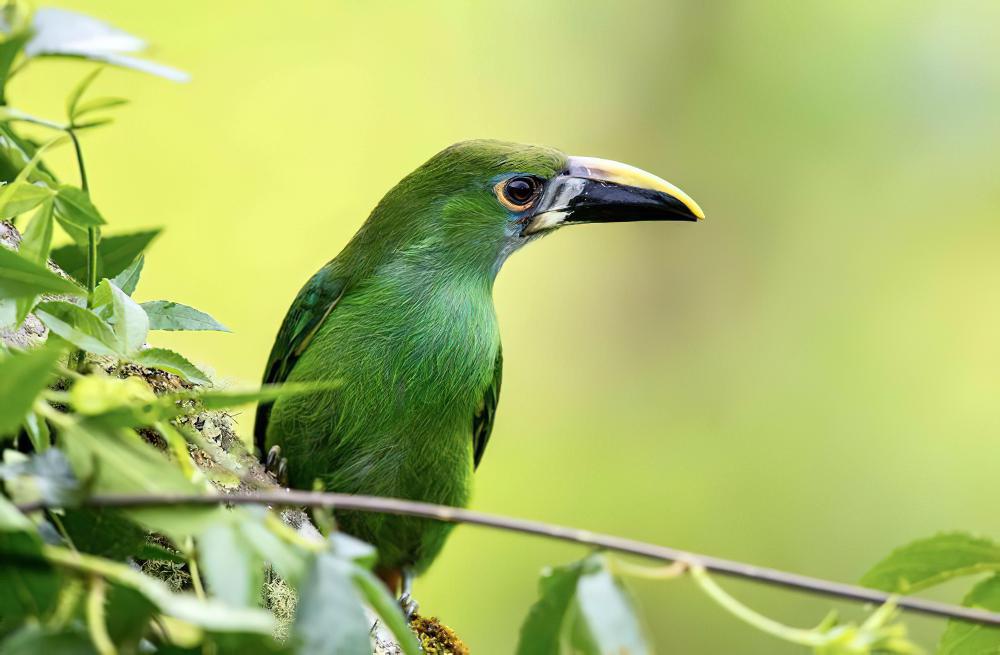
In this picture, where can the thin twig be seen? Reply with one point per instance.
(290, 497)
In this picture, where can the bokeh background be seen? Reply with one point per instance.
(804, 381)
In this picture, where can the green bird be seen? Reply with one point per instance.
(403, 317)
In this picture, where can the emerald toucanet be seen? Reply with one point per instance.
(403, 317)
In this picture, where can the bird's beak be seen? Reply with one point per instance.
(593, 190)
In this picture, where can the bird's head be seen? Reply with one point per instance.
(478, 201)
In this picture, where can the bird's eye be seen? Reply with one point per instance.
(518, 193)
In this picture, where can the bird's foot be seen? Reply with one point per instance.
(407, 602)
(409, 605)
(277, 465)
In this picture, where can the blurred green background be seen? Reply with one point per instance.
(804, 381)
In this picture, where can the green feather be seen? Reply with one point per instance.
(404, 318)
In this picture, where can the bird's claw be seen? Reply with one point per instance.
(277, 465)
(409, 605)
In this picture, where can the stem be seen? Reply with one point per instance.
(96, 597)
(91, 231)
(192, 560)
(69, 598)
(747, 615)
(293, 498)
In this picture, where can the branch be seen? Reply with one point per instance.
(291, 497)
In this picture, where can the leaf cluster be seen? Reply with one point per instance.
(83, 414)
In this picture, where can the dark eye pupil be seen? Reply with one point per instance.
(520, 189)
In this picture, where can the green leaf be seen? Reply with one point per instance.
(114, 254)
(209, 614)
(962, 638)
(73, 205)
(127, 617)
(379, 599)
(11, 518)
(63, 33)
(605, 613)
(74, 97)
(105, 532)
(96, 395)
(172, 362)
(35, 245)
(12, 44)
(16, 154)
(38, 432)
(119, 461)
(224, 399)
(78, 325)
(117, 252)
(34, 639)
(348, 547)
(31, 589)
(327, 592)
(127, 319)
(23, 375)
(167, 315)
(928, 562)
(230, 566)
(97, 104)
(289, 561)
(23, 278)
(541, 630)
(19, 197)
(128, 279)
(37, 239)
(18, 535)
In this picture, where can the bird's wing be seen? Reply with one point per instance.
(482, 422)
(308, 311)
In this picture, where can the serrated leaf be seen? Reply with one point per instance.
(73, 205)
(328, 591)
(62, 33)
(23, 375)
(128, 279)
(168, 315)
(606, 614)
(127, 319)
(115, 253)
(22, 278)
(19, 197)
(542, 628)
(172, 362)
(78, 325)
(963, 638)
(927, 562)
